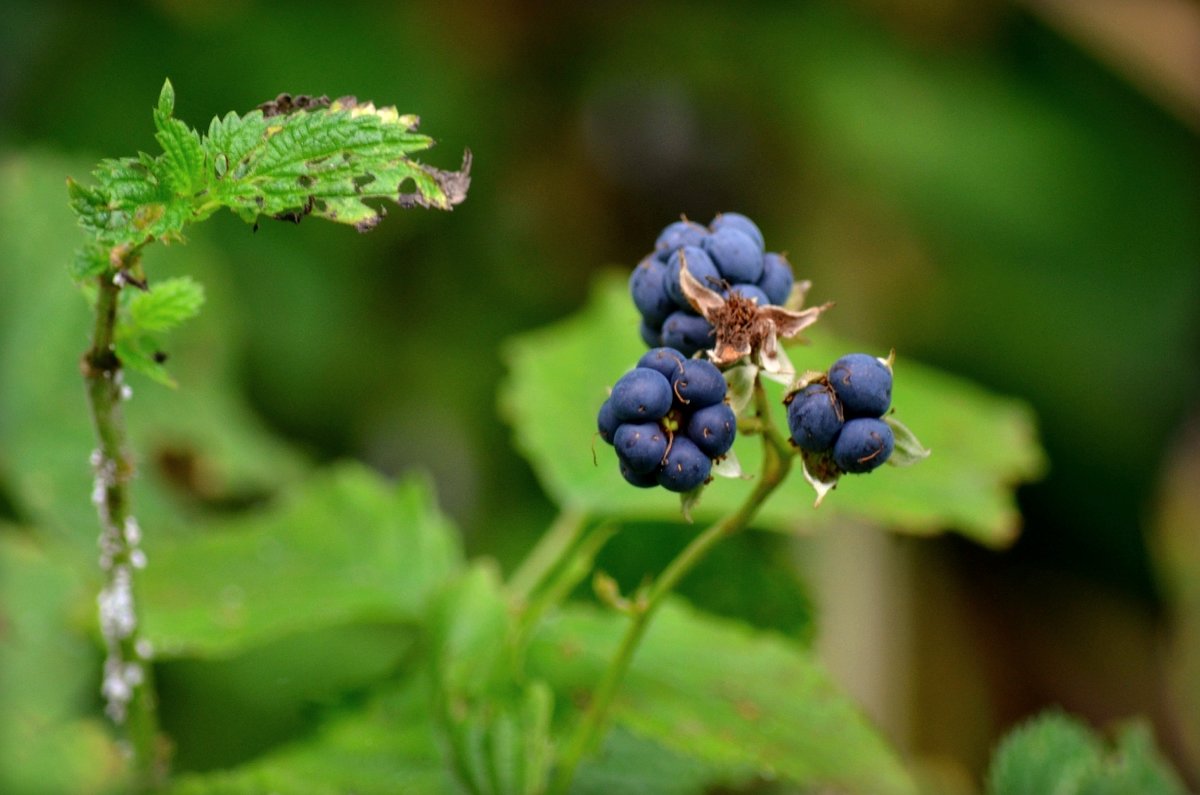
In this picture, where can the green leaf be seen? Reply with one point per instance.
(983, 444)
(181, 165)
(344, 547)
(387, 748)
(48, 676)
(498, 726)
(325, 159)
(633, 765)
(165, 305)
(1051, 754)
(137, 355)
(715, 691)
(1057, 754)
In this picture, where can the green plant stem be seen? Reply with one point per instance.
(547, 554)
(777, 462)
(128, 685)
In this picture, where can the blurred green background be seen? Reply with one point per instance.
(1008, 190)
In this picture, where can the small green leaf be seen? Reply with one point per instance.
(345, 547)
(715, 691)
(166, 99)
(558, 378)
(137, 354)
(1055, 753)
(909, 449)
(90, 260)
(165, 305)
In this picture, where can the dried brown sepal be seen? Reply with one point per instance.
(741, 326)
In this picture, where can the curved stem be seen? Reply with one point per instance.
(128, 687)
(777, 462)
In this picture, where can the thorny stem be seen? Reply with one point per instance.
(777, 462)
(128, 688)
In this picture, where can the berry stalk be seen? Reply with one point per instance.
(777, 462)
(127, 687)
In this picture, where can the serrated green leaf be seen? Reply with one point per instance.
(1135, 766)
(558, 377)
(716, 691)
(1060, 755)
(497, 726)
(137, 355)
(344, 547)
(165, 305)
(1051, 754)
(325, 161)
(90, 260)
(181, 167)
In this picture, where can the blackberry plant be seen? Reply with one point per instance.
(349, 598)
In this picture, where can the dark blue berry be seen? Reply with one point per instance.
(647, 286)
(607, 422)
(741, 223)
(645, 480)
(699, 264)
(667, 361)
(651, 335)
(641, 445)
(713, 429)
(687, 333)
(685, 468)
(698, 384)
(641, 395)
(751, 292)
(736, 255)
(777, 279)
(814, 418)
(863, 384)
(863, 445)
(680, 233)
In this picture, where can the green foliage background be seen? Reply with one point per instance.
(972, 188)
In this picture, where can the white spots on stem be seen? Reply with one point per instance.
(144, 649)
(121, 679)
(133, 531)
(118, 619)
(138, 559)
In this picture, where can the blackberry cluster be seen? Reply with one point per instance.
(668, 420)
(728, 255)
(838, 415)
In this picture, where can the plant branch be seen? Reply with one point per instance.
(777, 461)
(128, 687)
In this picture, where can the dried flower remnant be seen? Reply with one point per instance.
(742, 327)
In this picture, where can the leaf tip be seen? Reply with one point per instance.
(166, 98)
